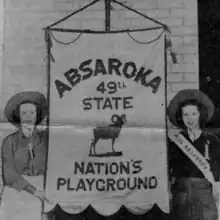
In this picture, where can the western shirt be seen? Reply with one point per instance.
(17, 160)
(181, 165)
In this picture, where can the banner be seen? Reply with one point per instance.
(107, 142)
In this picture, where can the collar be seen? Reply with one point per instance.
(22, 135)
(194, 135)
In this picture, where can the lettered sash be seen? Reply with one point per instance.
(193, 154)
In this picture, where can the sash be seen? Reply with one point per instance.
(193, 154)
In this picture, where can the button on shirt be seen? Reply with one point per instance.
(17, 160)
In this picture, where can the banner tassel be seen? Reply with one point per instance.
(49, 41)
(169, 46)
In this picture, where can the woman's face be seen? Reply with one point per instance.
(190, 114)
(28, 113)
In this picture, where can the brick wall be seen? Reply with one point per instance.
(24, 47)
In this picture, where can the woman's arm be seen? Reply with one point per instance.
(11, 176)
(215, 157)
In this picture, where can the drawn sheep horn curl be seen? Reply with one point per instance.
(123, 117)
(115, 118)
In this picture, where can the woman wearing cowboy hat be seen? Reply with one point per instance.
(193, 194)
(24, 158)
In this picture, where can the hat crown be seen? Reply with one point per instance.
(189, 94)
(26, 97)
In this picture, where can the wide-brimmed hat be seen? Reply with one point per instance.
(26, 97)
(189, 94)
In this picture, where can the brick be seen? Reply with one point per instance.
(97, 6)
(190, 21)
(93, 24)
(183, 31)
(144, 4)
(175, 22)
(190, 40)
(8, 91)
(169, 3)
(177, 40)
(64, 6)
(73, 23)
(190, 77)
(28, 4)
(118, 15)
(117, 24)
(169, 87)
(24, 57)
(154, 13)
(190, 13)
(143, 23)
(187, 50)
(14, 88)
(177, 47)
(185, 13)
(180, 86)
(190, 4)
(180, 58)
(91, 15)
(188, 68)
(169, 67)
(178, 68)
(15, 75)
(190, 58)
(157, 13)
(20, 20)
(177, 12)
(175, 77)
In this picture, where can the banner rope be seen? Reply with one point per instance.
(169, 46)
(149, 42)
(49, 42)
(65, 43)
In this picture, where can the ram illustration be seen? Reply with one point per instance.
(111, 131)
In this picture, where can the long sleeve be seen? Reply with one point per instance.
(11, 176)
(215, 144)
(215, 155)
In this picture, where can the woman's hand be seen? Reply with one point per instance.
(41, 195)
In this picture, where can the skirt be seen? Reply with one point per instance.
(22, 205)
(194, 200)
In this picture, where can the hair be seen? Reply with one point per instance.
(16, 114)
(203, 118)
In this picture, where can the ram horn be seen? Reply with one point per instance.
(123, 117)
(115, 118)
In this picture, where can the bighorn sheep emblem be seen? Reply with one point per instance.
(111, 131)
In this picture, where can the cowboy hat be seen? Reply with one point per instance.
(26, 97)
(189, 94)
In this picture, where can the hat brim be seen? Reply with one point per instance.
(26, 97)
(189, 94)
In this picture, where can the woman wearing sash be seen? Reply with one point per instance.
(194, 196)
(24, 157)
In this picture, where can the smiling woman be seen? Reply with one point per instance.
(194, 193)
(192, 115)
(24, 158)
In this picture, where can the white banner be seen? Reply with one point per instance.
(107, 143)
